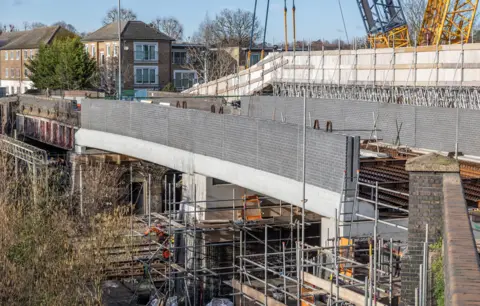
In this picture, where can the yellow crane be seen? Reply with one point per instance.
(458, 22)
(447, 22)
(432, 18)
(384, 22)
(444, 22)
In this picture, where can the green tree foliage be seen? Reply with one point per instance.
(438, 274)
(63, 65)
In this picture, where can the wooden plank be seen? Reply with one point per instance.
(345, 294)
(255, 294)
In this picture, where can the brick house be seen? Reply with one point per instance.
(146, 55)
(184, 76)
(186, 73)
(17, 48)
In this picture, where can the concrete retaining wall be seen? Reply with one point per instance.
(421, 127)
(265, 145)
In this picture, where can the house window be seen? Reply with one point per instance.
(25, 72)
(93, 51)
(7, 89)
(146, 51)
(12, 89)
(18, 54)
(25, 54)
(18, 90)
(6, 72)
(6, 55)
(179, 58)
(31, 53)
(184, 79)
(86, 48)
(12, 73)
(11, 56)
(102, 58)
(17, 73)
(254, 58)
(108, 50)
(145, 75)
(115, 49)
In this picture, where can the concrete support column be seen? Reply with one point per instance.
(327, 230)
(425, 207)
(194, 188)
(194, 185)
(156, 190)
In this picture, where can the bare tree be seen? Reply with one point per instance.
(66, 26)
(210, 64)
(204, 35)
(71, 246)
(125, 15)
(108, 75)
(12, 28)
(233, 28)
(414, 11)
(229, 28)
(170, 26)
(37, 24)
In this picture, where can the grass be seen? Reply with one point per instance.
(437, 274)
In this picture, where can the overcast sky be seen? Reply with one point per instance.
(316, 19)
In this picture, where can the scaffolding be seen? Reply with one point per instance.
(263, 260)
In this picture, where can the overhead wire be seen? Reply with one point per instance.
(294, 27)
(343, 20)
(285, 24)
(251, 34)
(262, 55)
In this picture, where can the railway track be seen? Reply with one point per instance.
(394, 175)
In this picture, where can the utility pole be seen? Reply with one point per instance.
(205, 72)
(119, 19)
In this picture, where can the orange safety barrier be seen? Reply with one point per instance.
(251, 210)
(345, 252)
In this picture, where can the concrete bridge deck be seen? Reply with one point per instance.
(258, 154)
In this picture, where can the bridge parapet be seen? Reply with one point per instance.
(433, 128)
(265, 145)
(437, 203)
(461, 260)
(446, 65)
(61, 110)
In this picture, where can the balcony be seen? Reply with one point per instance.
(146, 56)
(183, 84)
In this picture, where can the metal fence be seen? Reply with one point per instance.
(261, 144)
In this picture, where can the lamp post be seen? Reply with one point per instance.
(205, 70)
(119, 19)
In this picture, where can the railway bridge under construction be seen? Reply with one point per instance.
(443, 76)
(349, 186)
